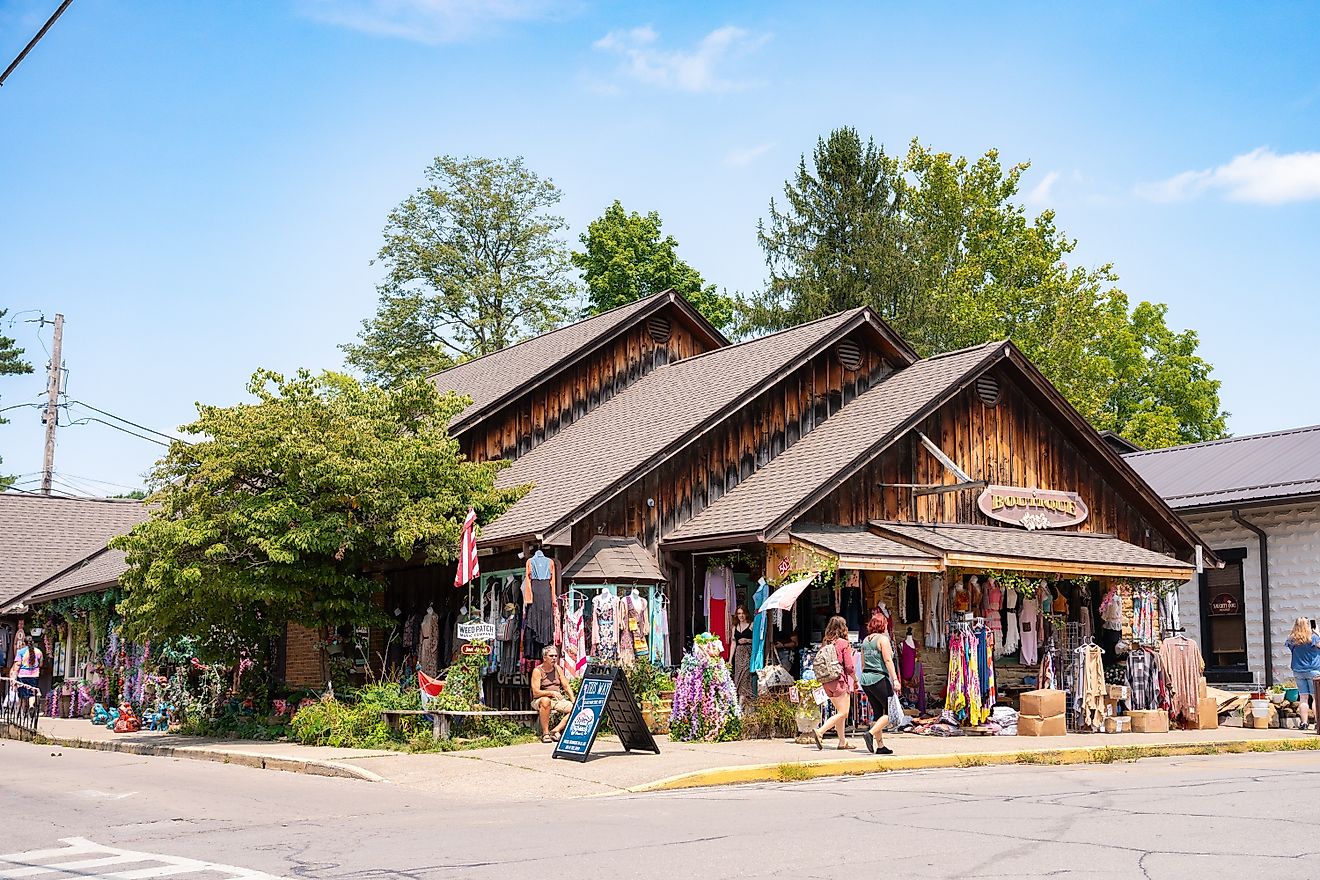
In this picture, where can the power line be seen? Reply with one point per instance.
(28, 48)
(99, 482)
(87, 419)
(124, 420)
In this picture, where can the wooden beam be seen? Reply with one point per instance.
(1173, 571)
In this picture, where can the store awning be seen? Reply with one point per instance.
(608, 560)
(1066, 553)
(856, 547)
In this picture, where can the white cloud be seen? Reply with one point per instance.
(694, 70)
(429, 21)
(1043, 192)
(742, 158)
(1262, 176)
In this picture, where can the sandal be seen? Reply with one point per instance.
(547, 738)
(820, 747)
(556, 735)
(845, 746)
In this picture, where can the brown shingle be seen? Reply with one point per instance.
(855, 541)
(1047, 546)
(608, 560)
(41, 536)
(650, 416)
(97, 572)
(490, 379)
(860, 431)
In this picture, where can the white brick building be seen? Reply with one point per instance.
(1249, 498)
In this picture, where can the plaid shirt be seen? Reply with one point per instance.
(1144, 681)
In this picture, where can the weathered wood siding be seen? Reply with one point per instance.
(735, 447)
(531, 418)
(1012, 443)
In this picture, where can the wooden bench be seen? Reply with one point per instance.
(442, 720)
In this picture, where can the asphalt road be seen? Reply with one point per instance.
(72, 813)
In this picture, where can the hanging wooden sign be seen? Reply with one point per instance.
(1033, 508)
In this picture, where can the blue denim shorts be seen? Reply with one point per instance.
(1305, 683)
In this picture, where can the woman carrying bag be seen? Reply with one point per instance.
(835, 671)
(877, 679)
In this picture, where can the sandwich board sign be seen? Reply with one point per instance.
(604, 690)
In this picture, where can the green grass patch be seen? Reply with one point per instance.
(791, 773)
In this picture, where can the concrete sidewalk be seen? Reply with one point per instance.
(527, 771)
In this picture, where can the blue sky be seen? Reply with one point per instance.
(200, 187)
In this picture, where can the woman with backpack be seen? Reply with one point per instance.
(835, 671)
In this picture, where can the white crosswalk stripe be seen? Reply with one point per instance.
(83, 859)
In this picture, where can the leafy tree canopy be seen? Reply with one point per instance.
(940, 248)
(276, 511)
(11, 364)
(627, 257)
(474, 263)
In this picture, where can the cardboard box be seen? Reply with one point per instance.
(1117, 691)
(1149, 721)
(1043, 703)
(1119, 724)
(1034, 725)
(1207, 713)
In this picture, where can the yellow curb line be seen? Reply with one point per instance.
(792, 771)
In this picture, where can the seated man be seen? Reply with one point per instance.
(550, 693)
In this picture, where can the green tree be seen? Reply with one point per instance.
(473, 263)
(838, 241)
(11, 364)
(278, 508)
(627, 257)
(944, 251)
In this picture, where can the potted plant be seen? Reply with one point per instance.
(807, 714)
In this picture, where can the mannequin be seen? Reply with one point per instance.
(428, 649)
(1012, 638)
(994, 603)
(961, 597)
(539, 591)
(1029, 625)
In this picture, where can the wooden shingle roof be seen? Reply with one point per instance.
(491, 380)
(608, 560)
(656, 414)
(859, 431)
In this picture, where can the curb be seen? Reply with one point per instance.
(797, 771)
(242, 759)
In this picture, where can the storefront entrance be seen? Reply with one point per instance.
(1224, 619)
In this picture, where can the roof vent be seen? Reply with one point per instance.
(987, 388)
(660, 329)
(850, 355)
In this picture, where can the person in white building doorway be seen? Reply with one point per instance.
(1304, 643)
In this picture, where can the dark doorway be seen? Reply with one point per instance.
(1224, 619)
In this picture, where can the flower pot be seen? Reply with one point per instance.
(1260, 708)
(1291, 695)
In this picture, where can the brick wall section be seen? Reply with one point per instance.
(302, 658)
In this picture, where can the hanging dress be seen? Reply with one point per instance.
(605, 626)
(1011, 635)
(1027, 630)
(575, 642)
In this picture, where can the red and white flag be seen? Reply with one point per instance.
(430, 687)
(468, 566)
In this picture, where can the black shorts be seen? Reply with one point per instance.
(879, 694)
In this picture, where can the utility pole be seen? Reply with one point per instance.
(51, 418)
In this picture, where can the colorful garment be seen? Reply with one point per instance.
(605, 626)
(759, 626)
(575, 642)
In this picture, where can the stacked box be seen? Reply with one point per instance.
(1149, 721)
(1035, 725)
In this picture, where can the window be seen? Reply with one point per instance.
(1224, 619)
